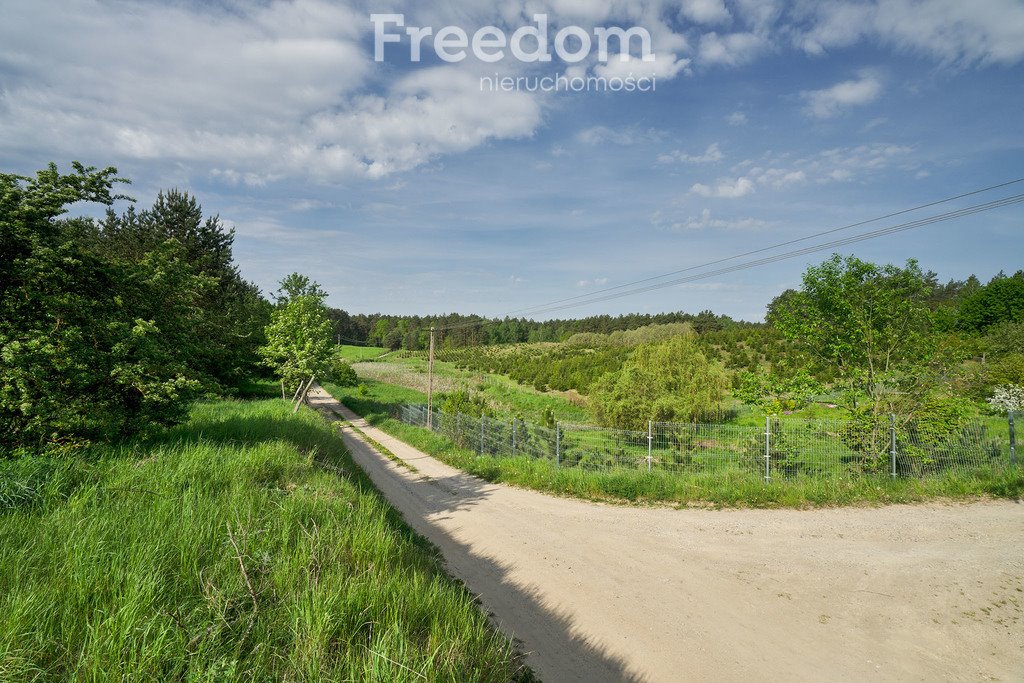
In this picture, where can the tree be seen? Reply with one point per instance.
(864, 321)
(670, 381)
(299, 343)
(295, 285)
(1000, 301)
(780, 390)
(234, 313)
(872, 327)
(90, 346)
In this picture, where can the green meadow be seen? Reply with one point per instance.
(241, 545)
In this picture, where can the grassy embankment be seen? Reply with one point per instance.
(730, 488)
(243, 545)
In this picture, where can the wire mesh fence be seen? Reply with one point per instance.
(778, 448)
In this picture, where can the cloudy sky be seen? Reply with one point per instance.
(403, 187)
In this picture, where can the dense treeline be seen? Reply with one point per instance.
(110, 327)
(413, 332)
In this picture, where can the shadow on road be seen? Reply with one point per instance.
(554, 647)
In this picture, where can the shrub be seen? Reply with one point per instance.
(465, 403)
(670, 381)
(1008, 399)
(343, 374)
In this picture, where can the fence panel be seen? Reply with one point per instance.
(780, 449)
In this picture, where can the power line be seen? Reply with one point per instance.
(631, 287)
(1014, 199)
(771, 247)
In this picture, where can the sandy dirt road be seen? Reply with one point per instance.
(602, 593)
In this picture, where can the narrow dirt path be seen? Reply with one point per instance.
(599, 592)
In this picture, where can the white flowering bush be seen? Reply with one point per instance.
(1009, 398)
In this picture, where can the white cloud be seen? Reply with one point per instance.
(731, 49)
(596, 282)
(953, 31)
(600, 135)
(828, 102)
(725, 188)
(839, 164)
(836, 24)
(777, 178)
(705, 221)
(875, 123)
(432, 111)
(705, 11)
(665, 66)
(301, 205)
(737, 118)
(253, 95)
(781, 171)
(710, 155)
(761, 15)
(250, 93)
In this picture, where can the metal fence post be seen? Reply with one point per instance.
(892, 442)
(481, 434)
(650, 442)
(513, 437)
(768, 448)
(1013, 441)
(558, 445)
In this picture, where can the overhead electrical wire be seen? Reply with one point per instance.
(774, 246)
(1015, 199)
(631, 288)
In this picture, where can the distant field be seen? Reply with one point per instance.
(504, 394)
(354, 354)
(243, 545)
(475, 369)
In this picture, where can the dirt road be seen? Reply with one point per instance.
(599, 592)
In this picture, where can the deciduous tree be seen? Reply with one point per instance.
(299, 343)
(670, 381)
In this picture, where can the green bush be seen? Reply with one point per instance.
(465, 403)
(670, 381)
(1006, 370)
(343, 374)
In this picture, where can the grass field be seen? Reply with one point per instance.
(243, 545)
(723, 487)
(355, 354)
(504, 394)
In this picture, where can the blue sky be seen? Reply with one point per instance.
(403, 188)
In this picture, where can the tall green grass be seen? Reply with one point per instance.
(722, 488)
(243, 545)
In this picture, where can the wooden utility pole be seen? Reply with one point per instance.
(430, 382)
